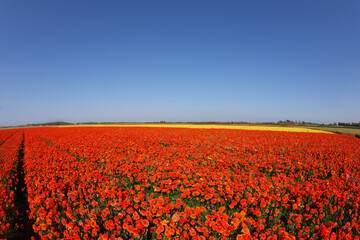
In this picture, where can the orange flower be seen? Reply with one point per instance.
(136, 216)
(131, 181)
(175, 217)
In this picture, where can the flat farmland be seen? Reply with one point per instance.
(179, 182)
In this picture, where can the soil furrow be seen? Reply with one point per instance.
(23, 225)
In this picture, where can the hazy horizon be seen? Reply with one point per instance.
(185, 61)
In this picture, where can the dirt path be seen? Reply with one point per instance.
(21, 203)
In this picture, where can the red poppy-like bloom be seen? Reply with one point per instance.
(178, 183)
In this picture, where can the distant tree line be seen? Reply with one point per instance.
(340, 124)
(349, 124)
(282, 122)
(49, 124)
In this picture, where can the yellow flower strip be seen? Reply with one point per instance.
(209, 126)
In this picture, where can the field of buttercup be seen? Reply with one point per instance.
(181, 183)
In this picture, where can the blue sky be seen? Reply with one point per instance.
(82, 61)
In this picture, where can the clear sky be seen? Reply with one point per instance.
(80, 61)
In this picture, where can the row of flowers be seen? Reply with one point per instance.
(108, 183)
(10, 141)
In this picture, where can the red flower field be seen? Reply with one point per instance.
(179, 183)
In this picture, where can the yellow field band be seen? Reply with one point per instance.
(208, 126)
